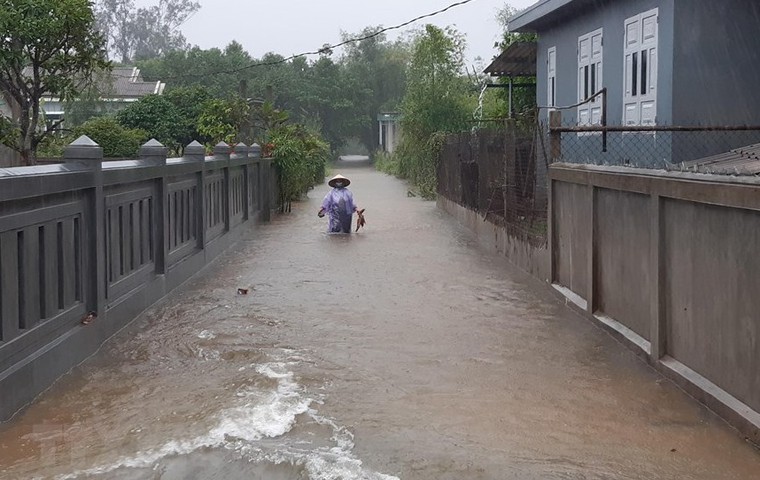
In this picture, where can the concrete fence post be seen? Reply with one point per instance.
(509, 188)
(555, 138)
(153, 154)
(658, 332)
(591, 277)
(241, 153)
(222, 154)
(85, 152)
(267, 174)
(254, 153)
(196, 153)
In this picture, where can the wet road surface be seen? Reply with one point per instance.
(403, 351)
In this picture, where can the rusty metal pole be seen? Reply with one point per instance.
(604, 119)
(555, 137)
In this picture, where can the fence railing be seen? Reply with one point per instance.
(501, 174)
(93, 239)
(668, 147)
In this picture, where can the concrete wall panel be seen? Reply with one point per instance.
(712, 294)
(571, 205)
(622, 256)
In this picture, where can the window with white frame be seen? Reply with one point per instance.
(640, 51)
(590, 77)
(551, 78)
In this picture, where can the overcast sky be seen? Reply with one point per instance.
(290, 27)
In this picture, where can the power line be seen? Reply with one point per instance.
(325, 48)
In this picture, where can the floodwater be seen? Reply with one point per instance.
(403, 351)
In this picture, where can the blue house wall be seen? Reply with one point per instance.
(707, 73)
(716, 72)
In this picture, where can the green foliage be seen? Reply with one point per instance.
(204, 67)
(523, 99)
(8, 131)
(300, 158)
(386, 163)
(379, 67)
(223, 120)
(437, 101)
(52, 146)
(340, 97)
(157, 116)
(189, 102)
(49, 47)
(116, 140)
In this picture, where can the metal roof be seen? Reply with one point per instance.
(739, 161)
(518, 60)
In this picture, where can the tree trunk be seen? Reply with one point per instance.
(28, 123)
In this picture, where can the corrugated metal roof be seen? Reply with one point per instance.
(518, 60)
(739, 161)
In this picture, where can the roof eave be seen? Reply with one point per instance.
(526, 20)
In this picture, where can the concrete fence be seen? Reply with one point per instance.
(85, 246)
(670, 264)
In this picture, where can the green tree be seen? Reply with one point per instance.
(116, 140)
(300, 157)
(189, 102)
(205, 68)
(223, 120)
(157, 116)
(380, 67)
(437, 101)
(48, 48)
(523, 99)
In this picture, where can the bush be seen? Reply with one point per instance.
(300, 158)
(116, 140)
(158, 117)
(386, 163)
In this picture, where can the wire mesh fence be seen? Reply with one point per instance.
(730, 150)
(501, 174)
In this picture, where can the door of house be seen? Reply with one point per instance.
(590, 77)
(640, 89)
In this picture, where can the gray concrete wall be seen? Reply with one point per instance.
(711, 260)
(570, 252)
(622, 229)
(108, 238)
(672, 270)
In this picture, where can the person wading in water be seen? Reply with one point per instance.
(340, 207)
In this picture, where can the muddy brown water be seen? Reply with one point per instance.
(404, 351)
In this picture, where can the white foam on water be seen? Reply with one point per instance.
(327, 463)
(263, 414)
(260, 415)
(206, 335)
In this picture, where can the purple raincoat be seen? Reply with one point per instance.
(339, 206)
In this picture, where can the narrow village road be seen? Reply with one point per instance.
(403, 351)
